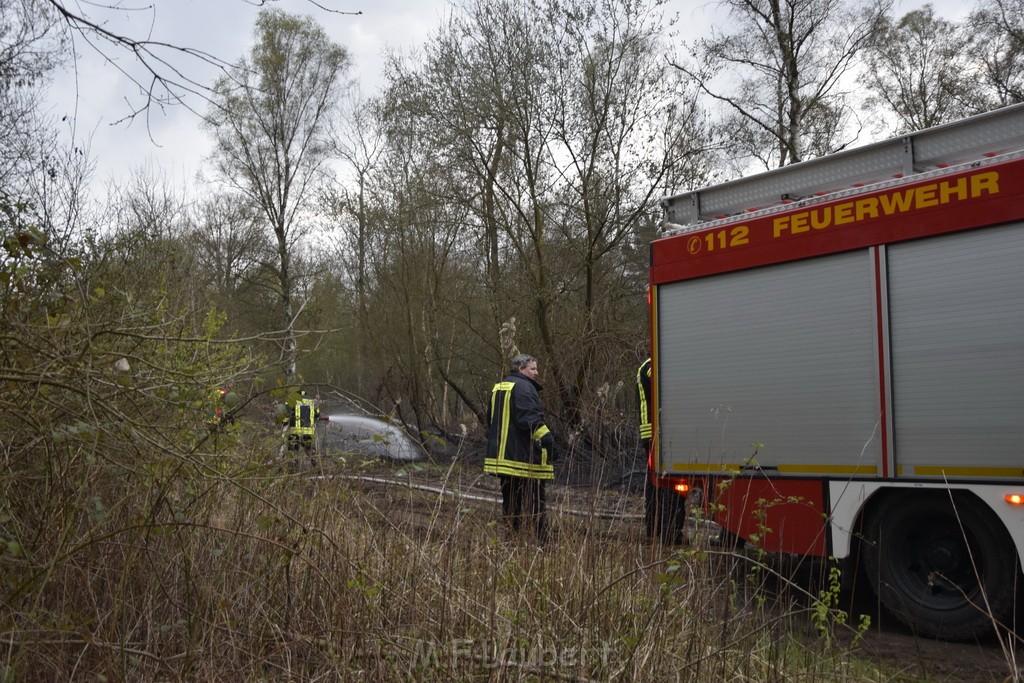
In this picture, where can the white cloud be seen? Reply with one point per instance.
(223, 28)
(172, 137)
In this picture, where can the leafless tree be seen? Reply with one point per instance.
(920, 70)
(997, 28)
(231, 246)
(556, 125)
(270, 121)
(359, 143)
(163, 73)
(780, 70)
(31, 46)
(626, 131)
(469, 115)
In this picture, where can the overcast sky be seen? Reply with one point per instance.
(172, 142)
(98, 95)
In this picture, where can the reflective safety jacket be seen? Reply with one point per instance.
(516, 429)
(643, 394)
(301, 422)
(215, 413)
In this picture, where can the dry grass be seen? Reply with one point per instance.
(249, 572)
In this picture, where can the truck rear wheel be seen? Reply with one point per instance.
(664, 514)
(943, 566)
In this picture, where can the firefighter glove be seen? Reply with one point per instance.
(547, 443)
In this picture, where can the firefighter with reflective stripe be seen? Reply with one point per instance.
(215, 412)
(302, 424)
(665, 510)
(643, 397)
(520, 447)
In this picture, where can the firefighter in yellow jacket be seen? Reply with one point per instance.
(643, 399)
(520, 447)
(302, 424)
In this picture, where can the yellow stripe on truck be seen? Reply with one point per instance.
(829, 469)
(942, 470)
(700, 467)
(868, 470)
(860, 470)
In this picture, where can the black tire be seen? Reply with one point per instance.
(944, 567)
(664, 515)
(650, 510)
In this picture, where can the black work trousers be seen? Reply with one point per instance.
(298, 442)
(523, 504)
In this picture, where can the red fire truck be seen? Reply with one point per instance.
(838, 353)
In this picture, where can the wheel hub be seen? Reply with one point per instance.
(943, 556)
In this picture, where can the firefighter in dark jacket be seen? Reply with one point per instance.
(520, 447)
